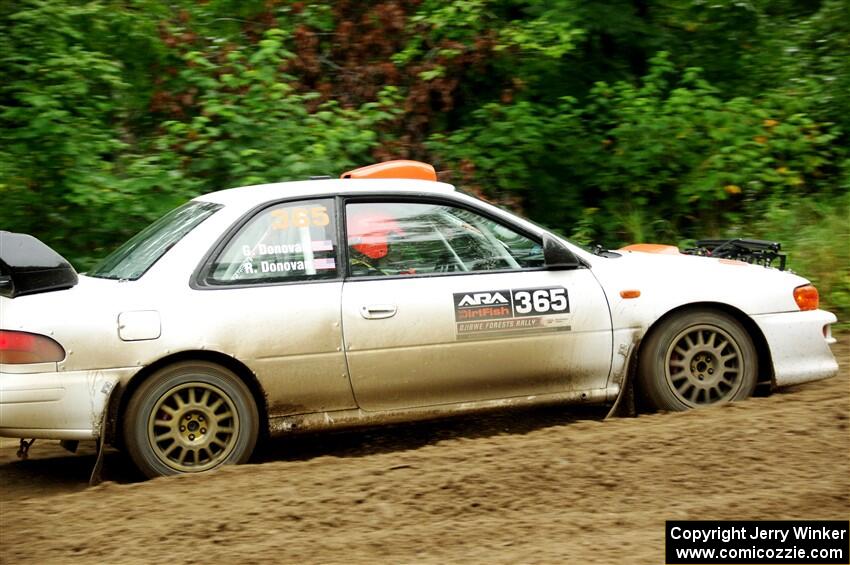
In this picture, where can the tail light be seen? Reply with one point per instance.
(806, 297)
(23, 347)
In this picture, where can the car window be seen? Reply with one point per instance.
(405, 238)
(287, 242)
(134, 258)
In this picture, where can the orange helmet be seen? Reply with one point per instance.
(369, 231)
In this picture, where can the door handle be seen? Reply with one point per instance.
(378, 311)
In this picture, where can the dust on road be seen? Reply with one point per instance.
(533, 486)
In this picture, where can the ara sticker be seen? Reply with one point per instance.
(498, 313)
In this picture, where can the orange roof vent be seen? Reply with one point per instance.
(401, 169)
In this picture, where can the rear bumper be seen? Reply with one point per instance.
(798, 347)
(56, 405)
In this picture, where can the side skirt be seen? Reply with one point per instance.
(357, 418)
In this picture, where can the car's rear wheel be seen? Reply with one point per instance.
(697, 358)
(189, 417)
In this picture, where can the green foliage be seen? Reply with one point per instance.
(81, 168)
(614, 121)
(815, 232)
(670, 148)
(250, 125)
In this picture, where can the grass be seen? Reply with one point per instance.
(815, 233)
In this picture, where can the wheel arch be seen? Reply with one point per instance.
(765, 361)
(119, 404)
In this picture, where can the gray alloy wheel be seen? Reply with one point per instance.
(190, 417)
(697, 358)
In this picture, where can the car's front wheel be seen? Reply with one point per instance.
(189, 417)
(697, 358)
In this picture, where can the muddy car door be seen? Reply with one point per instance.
(443, 304)
(270, 296)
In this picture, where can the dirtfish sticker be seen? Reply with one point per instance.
(497, 313)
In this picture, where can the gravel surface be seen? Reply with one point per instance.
(533, 486)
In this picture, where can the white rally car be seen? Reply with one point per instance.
(383, 296)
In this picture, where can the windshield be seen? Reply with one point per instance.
(134, 258)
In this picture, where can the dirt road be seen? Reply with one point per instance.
(540, 486)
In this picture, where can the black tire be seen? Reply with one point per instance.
(190, 417)
(697, 358)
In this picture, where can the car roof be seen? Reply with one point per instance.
(255, 195)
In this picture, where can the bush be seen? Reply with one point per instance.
(614, 121)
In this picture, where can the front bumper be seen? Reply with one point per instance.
(56, 405)
(798, 347)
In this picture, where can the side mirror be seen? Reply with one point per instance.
(557, 255)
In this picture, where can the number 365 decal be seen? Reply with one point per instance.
(514, 303)
(501, 313)
(540, 301)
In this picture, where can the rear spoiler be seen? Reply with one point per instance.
(755, 251)
(28, 266)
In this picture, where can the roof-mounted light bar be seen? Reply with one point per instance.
(400, 169)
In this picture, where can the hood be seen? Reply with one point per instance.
(668, 277)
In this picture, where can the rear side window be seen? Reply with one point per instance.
(287, 242)
(134, 258)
